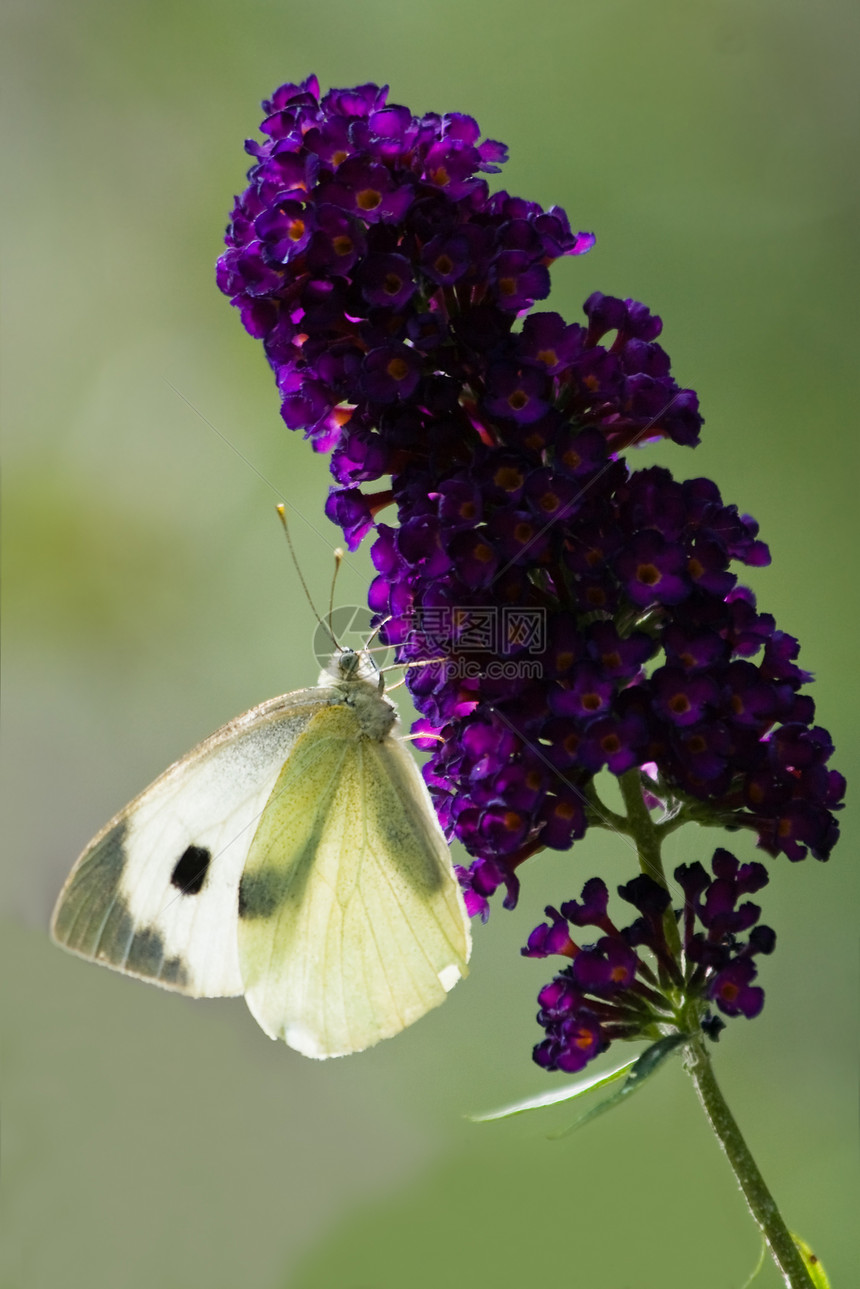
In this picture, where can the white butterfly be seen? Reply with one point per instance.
(293, 857)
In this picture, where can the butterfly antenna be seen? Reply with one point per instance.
(326, 626)
(374, 633)
(407, 666)
(338, 559)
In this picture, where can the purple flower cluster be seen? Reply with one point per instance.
(609, 990)
(587, 614)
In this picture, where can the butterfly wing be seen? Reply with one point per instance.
(156, 893)
(351, 922)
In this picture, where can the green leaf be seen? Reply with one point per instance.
(817, 1274)
(636, 1071)
(642, 1068)
(566, 1093)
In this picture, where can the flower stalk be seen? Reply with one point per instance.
(643, 830)
(761, 1203)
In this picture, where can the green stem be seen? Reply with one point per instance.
(642, 826)
(603, 816)
(648, 840)
(648, 837)
(761, 1203)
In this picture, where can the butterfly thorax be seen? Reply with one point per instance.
(359, 686)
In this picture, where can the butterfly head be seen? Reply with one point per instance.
(351, 666)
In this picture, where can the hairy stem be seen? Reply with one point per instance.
(648, 837)
(761, 1203)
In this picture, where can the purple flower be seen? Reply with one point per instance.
(586, 695)
(652, 570)
(519, 394)
(480, 881)
(730, 989)
(284, 231)
(554, 938)
(628, 984)
(684, 699)
(386, 281)
(618, 742)
(391, 372)
(353, 512)
(605, 968)
(592, 909)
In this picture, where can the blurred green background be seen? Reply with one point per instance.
(150, 1140)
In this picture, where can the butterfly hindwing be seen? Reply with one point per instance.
(351, 922)
(156, 893)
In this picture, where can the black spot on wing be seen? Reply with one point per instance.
(191, 870)
(94, 919)
(146, 958)
(174, 972)
(137, 949)
(145, 953)
(261, 892)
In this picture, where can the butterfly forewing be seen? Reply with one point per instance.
(351, 922)
(155, 894)
(294, 857)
